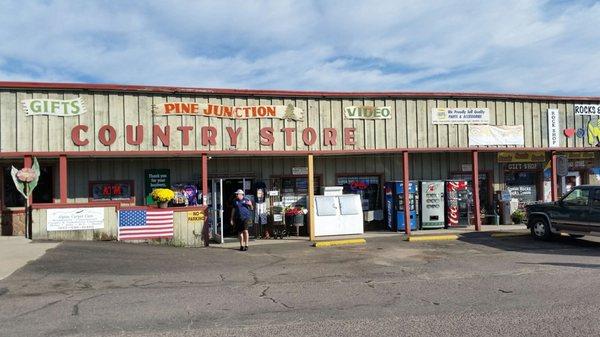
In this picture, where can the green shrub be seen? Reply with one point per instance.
(518, 217)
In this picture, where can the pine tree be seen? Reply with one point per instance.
(289, 113)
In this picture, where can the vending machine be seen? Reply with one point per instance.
(458, 204)
(394, 205)
(432, 197)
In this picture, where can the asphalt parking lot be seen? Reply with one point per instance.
(475, 286)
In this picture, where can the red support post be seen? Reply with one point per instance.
(62, 168)
(204, 178)
(406, 183)
(475, 179)
(28, 162)
(554, 177)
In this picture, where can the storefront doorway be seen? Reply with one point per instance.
(222, 194)
(572, 179)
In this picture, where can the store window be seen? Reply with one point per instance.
(298, 185)
(111, 190)
(294, 189)
(522, 186)
(43, 192)
(368, 187)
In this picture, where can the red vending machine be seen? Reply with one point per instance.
(458, 204)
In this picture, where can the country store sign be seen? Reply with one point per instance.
(210, 136)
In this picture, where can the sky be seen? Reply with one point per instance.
(508, 46)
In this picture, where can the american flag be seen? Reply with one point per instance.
(142, 224)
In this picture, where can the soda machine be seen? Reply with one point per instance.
(458, 203)
(432, 197)
(394, 204)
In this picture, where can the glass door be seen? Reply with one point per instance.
(217, 209)
(572, 179)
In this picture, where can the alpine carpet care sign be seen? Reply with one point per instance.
(75, 219)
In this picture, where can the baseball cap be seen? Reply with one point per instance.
(239, 192)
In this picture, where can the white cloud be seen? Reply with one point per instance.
(515, 46)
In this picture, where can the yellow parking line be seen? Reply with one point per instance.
(506, 235)
(445, 237)
(339, 242)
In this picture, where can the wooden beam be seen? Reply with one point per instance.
(311, 198)
(405, 184)
(554, 177)
(475, 179)
(204, 178)
(62, 168)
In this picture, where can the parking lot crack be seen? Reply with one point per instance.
(47, 305)
(263, 294)
(75, 310)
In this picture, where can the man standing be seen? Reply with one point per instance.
(241, 217)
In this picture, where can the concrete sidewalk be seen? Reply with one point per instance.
(231, 242)
(16, 251)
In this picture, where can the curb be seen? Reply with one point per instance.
(339, 242)
(507, 235)
(445, 237)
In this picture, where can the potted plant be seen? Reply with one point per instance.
(518, 216)
(295, 215)
(162, 196)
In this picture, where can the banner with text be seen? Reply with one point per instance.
(553, 128)
(460, 116)
(74, 219)
(481, 135)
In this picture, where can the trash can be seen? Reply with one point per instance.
(505, 212)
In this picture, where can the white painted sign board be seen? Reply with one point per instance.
(74, 219)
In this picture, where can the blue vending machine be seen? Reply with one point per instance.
(394, 205)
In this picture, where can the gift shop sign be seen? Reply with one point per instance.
(460, 116)
(54, 107)
(288, 112)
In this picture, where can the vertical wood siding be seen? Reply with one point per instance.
(410, 125)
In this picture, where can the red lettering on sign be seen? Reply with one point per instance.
(309, 136)
(185, 134)
(266, 136)
(169, 107)
(288, 135)
(102, 135)
(233, 135)
(209, 135)
(349, 136)
(76, 135)
(139, 134)
(163, 134)
(330, 136)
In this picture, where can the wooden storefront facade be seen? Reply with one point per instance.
(94, 133)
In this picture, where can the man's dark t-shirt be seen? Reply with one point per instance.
(242, 211)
